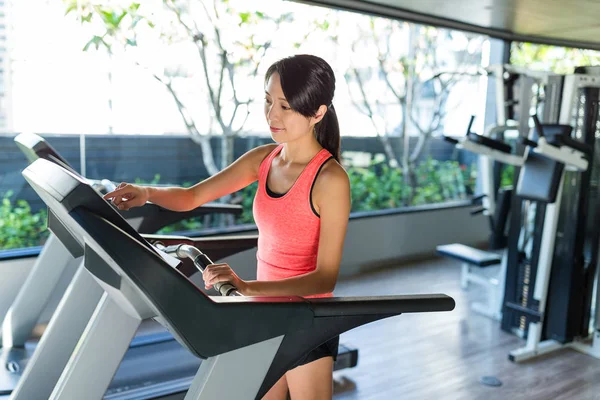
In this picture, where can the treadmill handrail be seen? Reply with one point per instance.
(330, 307)
(367, 305)
(207, 208)
(200, 261)
(218, 247)
(195, 241)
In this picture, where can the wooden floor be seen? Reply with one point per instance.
(443, 355)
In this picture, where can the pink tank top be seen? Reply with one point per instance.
(288, 228)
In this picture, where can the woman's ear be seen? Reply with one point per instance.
(319, 115)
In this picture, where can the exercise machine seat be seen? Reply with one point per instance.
(469, 255)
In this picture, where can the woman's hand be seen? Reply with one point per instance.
(126, 196)
(216, 273)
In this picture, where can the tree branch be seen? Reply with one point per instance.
(198, 39)
(384, 72)
(188, 120)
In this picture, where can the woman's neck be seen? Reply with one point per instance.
(300, 152)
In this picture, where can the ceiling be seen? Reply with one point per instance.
(570, 23)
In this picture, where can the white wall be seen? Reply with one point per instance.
(392, 239)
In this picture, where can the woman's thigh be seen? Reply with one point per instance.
(279, 391)
(312, 381)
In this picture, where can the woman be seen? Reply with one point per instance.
(301, 207)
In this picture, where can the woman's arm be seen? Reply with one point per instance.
(236, 176)
(332, 200)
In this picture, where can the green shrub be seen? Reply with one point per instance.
(154, 181)
(373, 188)
(19, 227)
(508, 176)
(381, 187)
(247, 194)
(191, 224)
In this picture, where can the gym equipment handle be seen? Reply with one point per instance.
(478, 210)
(201, 261)
(527, 142)
(450, 140)
(477, 198)
(471, 120)
(538, 125)
(534, 316)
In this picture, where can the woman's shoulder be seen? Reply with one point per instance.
(333, 169)
(266, 148)
(332, 187)
(257, 155)
(262, 152)
(332, 174)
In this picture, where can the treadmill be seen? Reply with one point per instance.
(247, 343)
(55, 261)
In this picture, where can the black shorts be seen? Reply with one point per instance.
(327, 349)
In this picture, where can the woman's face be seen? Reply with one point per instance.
(286, 124)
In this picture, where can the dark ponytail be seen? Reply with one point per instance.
(308, 82)
(327, 132)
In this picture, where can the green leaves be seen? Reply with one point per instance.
(154, 181)
(244, 17)
(381, 187)
(561, 60)
(376, 187)
(119, 22)
(111, 18)
(249, 17)
(192, 224)
(247, 198)
(322, 25)
(19, 227)
(71, 6)
(508, 176)
(96, 41)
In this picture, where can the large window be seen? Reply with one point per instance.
(560, 60)
(171, 92)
